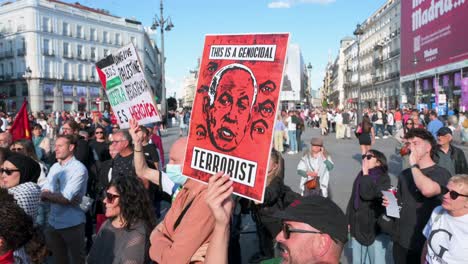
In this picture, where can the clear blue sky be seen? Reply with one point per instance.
(316, 25)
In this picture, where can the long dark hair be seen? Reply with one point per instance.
(380, 157)
(366, 124)
(134, 201)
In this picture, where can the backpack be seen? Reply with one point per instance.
(374, 117)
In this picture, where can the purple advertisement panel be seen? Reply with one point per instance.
(464, 95)
(433, 32)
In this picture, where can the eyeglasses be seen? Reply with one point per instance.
(453, 194)
(8, 171)
(287, 230)
(369, 156)
(111, 197)
(98, 132)
(16, 149)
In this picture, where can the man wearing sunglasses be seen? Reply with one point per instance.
(448, 156)
(447, 229)
(314, 228)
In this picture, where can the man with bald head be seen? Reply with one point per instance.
(183, 235)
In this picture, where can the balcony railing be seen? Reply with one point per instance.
(47, 29)
(81, 57)
(394, 52)
(21, 52)
(49, 53)
(68, 55)
(9, 54)
(8, 77)
(47, 74)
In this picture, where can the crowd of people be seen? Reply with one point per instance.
(82, 190)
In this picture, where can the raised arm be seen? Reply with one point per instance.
(141, 168)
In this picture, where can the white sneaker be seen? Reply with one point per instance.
(377, 138)
(291, 152)
(385, 137)
(295, 152)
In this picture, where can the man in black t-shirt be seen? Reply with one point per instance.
(418, 193)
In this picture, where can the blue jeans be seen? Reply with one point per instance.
(292, 140)
(374, 253)
(379, 127)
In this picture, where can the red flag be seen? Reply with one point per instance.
(20, 128)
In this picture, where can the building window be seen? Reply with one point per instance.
(24, 90)
(66, 71)
(93, 53)
(46, 47)
(106, 52)
(79, 51)
(47, 73)
(21, 25)
(66, 49)
(117, 39)
(80, 72)
(105, 37)
(66, 29)
(46, 26)
(79, 31)
(93, 34)
(12, 91)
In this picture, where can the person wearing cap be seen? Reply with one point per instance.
(316, 164)
(448, 156)
(314, 228)
(435, 124)
(418, 189)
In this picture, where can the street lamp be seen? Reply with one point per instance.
(28, 75)
(358, 32)
(309, 67)
(160, 22)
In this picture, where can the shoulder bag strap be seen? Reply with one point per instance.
(182, 214)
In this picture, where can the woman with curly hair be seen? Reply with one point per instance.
(124, 237)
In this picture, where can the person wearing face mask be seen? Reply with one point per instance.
(184, 234)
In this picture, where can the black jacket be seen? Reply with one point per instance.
(363, 220)
(459, 159)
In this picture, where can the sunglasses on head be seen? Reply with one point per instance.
(453, 194)
(111, 197)
(287, 230)
(8, 171)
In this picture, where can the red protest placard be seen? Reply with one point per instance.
(234, 109)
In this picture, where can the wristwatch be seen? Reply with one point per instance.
(415, 166)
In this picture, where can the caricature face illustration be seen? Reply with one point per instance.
(231, 106)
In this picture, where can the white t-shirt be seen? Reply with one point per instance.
(447, 238)
(291, 125)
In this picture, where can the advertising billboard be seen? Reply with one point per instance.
(433, 32)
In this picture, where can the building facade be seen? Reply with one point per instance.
(379, 57)
(295, 80)
(48, 51)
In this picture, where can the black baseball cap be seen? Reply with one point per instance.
(444, 131)
(320, 213)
